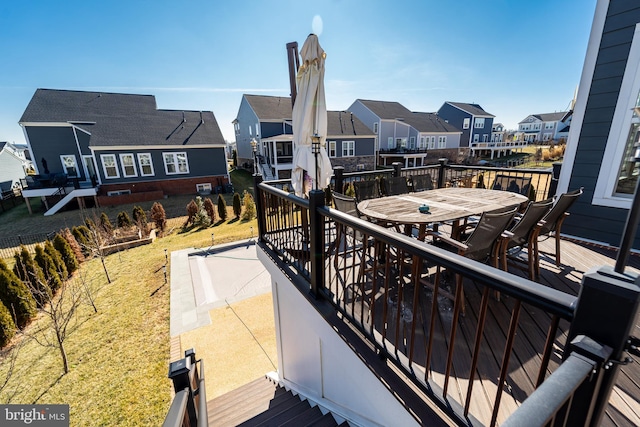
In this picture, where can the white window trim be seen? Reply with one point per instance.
(75, 164)
(332, 149)
(375, 127)
(175, 157)
(140, 155)
(346, 149)
(478, 123)
(115, 165)
(442, 141)
(465, 123)
(390, 143)
(620, 126)
(133, 164)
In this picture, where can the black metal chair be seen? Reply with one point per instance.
(482, 244)
(422, 182)
(395, 185)
(553, 222)
(524, 234)
(367, 189)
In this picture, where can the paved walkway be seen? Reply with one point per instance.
(221, 306)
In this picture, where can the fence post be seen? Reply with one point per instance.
(338, 176)
(605, 312)
(316, 224)
(260, 208)
(441, 170)
(397, 168)
(180, 374)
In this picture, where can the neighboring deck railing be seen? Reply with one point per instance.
(400, 294)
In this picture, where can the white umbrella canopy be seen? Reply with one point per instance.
(309, 118)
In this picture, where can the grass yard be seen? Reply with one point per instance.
(119, 356)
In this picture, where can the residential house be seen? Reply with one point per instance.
(475, 123)
(406, 136)
(121, 147)
(601, 153)
(267, 120)
(498, 133)
(13, 166)
(545, 127)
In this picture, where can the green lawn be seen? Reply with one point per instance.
(118, 356)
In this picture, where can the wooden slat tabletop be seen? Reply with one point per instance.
(445, 204)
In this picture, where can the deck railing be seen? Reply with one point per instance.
(189, 405)
(401, 295)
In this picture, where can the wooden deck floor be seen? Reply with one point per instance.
(525, 362)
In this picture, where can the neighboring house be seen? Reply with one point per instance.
(498, 133)
(121, 147)
(544, 127)
(267, 120)
(601, 153)
(404, 135)
(13, 166)
(475, 123)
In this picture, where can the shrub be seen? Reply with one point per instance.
(480, 181)
(140, 216)
(249, 206)
(73, 243)
(123, 220)
(83, 235)
(105, 224)
(237, 205)
(56, 257)
(7, 327)
(192, 210)
(90, 224)
(16, 296)
(159, 216)
(350, 190)
(66, 253)
(222, 208)
(210, 208)
(49, 269)
(201, 218)
(31, 275)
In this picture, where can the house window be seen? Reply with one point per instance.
(332, 148)
(628, 171)
(465, 123)
(423, 142)
(348, 148)
(390, 144)
(128, 166)
(412, 142)
(401, 142)
(144, 162)
(109, 166)
(175, 163)
(69, 164)
(375, 128)
(204, 188)
(476, 137)
(442, 142)
(479, 123)
(546, 137)
(432, 144)
(548, 125)
(536, 126)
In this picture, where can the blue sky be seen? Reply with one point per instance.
(514, 58)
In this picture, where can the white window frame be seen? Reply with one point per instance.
(423, 142)
(204, 188)
(548, 125)
(133, 165)
(476, 137)
(603, 193)
(465, 123)
(442, 141)
(390, 143)
(478, 123)
(348, 148)
(412, 142)
(64, 164)
(175, 155)
(141, 165)
(432, 143)
(375, 127)
(103, 158)
(332, 149)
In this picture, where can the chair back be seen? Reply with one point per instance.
(366, 190)
(345, 204)
(395, 185)
(422, 182)
(515, 184)
(524, 226)
(558, 211)
(481, 241)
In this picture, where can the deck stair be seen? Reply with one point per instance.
(265, 403)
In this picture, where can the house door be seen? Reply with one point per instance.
(90, 169)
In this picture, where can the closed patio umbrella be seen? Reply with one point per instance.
(309, 119)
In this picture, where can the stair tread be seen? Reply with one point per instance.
(286, 415)
(326, 421)
(307, 417)
(272, 411)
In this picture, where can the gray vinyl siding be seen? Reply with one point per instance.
(11, 170)
(50, 142)
(600, 223)
(246, 117)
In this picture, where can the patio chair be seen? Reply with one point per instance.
(422, 182)
(524, 234)
(553, 222)
(482, 244)
(395, 185)
(515, 184)
(366, 190)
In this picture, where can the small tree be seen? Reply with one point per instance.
(140, 218)
(31, 275)
(105, 224)
(249, 206)
(48, 266)
(123, 220)
(210, 208)
(56, 257)
(159, 216)
(83, 236)
(7, 326)
(73, 244)
(68, 256)
(201, 218)
(237, 205)
(192, 210)
(16, 296)
(222, 208)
